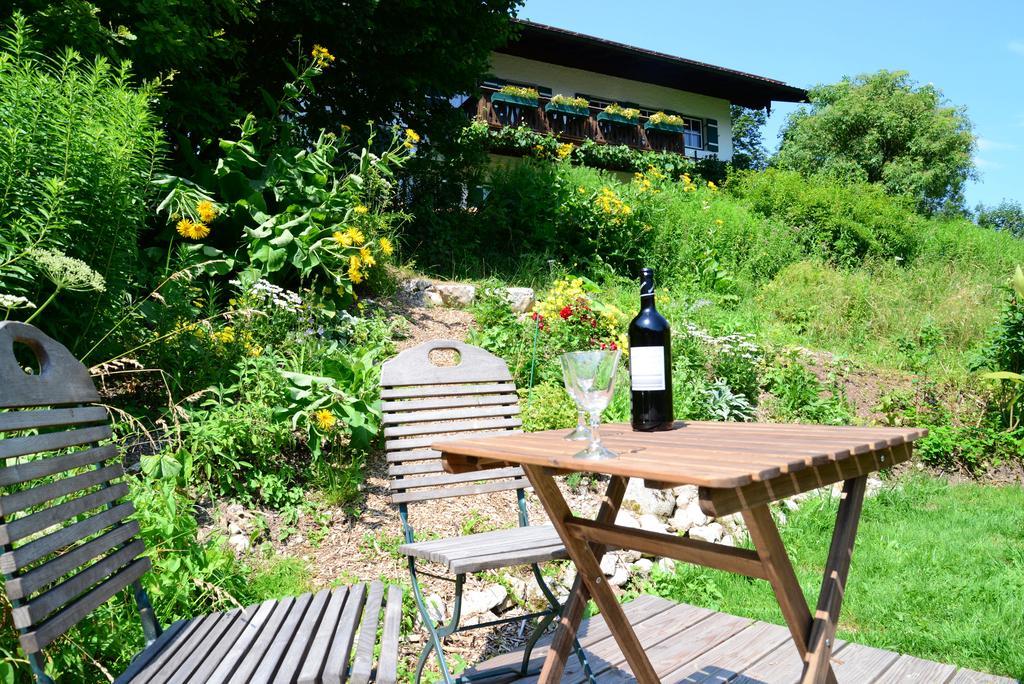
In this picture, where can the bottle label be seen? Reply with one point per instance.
(647, 368)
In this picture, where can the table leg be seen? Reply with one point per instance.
(572, 611)
(589, 569)
(833, 587)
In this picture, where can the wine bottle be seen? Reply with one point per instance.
(650, 362)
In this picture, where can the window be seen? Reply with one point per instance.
(693, 136)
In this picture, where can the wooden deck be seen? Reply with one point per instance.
(690, 644)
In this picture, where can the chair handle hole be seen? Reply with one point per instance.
(28, 358)
(444, 357)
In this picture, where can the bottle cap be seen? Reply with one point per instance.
(646, 281)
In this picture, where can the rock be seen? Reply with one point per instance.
(780, 518)
(620, 577)
(234, 529)
(239, 542)
(733, 522)
(727, 540)
(791, 503)
(685, 494)
(711, 532)
(456, 295)
(652, 523)
(483, 600)
(644, 500)
(643, 567)
(872, 486)
(414, 285)
(432, 298)
(627, 519)
(628, 555)
(666, 565)
(608, 564)
(436, 608)
(690, 516)
(519, 587)
(521, 299)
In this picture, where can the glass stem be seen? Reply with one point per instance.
(581, 420)
(595, 434)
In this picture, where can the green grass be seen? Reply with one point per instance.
(938, 573)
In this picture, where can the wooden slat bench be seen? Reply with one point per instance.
(68, 546)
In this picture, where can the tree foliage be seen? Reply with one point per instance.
(884, 128)
(1007, 215)
(748, 149)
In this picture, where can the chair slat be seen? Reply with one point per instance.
(449, 402)
(51, 441)
(321, 640)
(420, 442)
(401, 456)
(244, 669)
(305, 631)
(271, 657)
(44, 604)
(362, 666)
(220, 644)
(29, 553)
(417, 468)
(243, 643)
(423, 392)
(405, 483)
(44, 467)
(450, 414)
(387, 663)
(27, 420)
(181, 663)
(58, 566)
(44, 634)
(338, 653)
(27, 498)
(409, 430)
(36, 522)
(429, 494)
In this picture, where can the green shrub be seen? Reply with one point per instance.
(799, 397)
(547, 406)
(79, 147)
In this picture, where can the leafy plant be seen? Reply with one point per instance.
(520, 91)
(666, 119)
(616, 109)
(570, 101)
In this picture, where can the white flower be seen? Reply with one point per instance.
(8, 301)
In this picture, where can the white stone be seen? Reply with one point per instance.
(733, 522)
(415, 285)
(457, 295)
(684, 495)
(872, 486)
(519, 586)
(711, 532)
(666, 565)
(791, 504)
(483, 600)
(652, 523)
(628, 555)
(436, 608)
(608, 564)
(620, 577)
(234, 528)
(239, 542)
(727, 540)
(689, 516)
(433, 298)
(780, 518)
(521, 299)
(643, 566)
(627, 519)
(645, 500)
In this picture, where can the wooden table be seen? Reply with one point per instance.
(738, 467)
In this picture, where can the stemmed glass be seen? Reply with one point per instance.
(590, 378)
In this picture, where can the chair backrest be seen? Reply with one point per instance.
(67, 546)
(425, 403)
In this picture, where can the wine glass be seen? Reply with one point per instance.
(590, 375)
(581, 432)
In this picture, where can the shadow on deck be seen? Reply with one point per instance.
(690, 644)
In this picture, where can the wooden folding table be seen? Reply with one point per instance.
(738, 467)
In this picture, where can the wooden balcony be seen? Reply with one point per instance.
(575, 129)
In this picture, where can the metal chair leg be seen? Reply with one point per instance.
(435, 637)
(556, 608)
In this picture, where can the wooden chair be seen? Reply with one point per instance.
(425, 403)
(68, 547)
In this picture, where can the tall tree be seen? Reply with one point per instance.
(1007, 215)
(884, 128)
(748, 150)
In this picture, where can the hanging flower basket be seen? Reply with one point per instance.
(573, 106)
(514, 95)
(666, 123)
(623, 116)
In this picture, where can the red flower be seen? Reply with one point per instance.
(614, 346)
(593, 322)
(565, 312)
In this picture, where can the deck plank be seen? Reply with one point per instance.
(911, 669)
(725, 661)
(972, 677)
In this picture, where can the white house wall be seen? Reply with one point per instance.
(569, 81)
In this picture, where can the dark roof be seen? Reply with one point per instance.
(568, 48)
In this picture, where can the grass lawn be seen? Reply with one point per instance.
(938, 572)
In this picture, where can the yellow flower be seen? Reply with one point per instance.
(366, 256)
(187, 228)
(354, 274)
(207, 211)
(565, 150)
(719, 222)
(225, 335)
(582, 190)
(361, 210)
(712, 186)
(321, 57)
(411, 137)
(385, 246)
(324, 419)
(355, 235)
(343, 239)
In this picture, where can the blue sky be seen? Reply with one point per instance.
(973, 51)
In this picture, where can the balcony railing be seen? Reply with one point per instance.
(576, 129)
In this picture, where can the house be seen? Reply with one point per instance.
(671, 103)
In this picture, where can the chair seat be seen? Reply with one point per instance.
(309, 638)
(491, 550)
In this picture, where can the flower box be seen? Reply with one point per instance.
(514, 100)
(663, 127)
(571, 110)
(618, 119)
